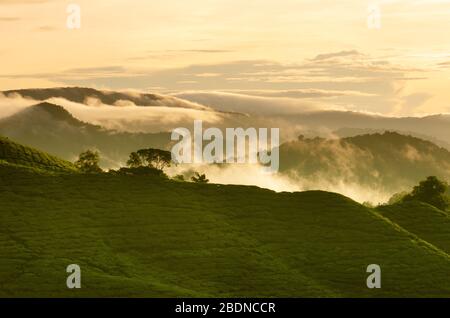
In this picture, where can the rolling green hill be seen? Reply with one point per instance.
(143, 236)
(423, 220)
(12, 153)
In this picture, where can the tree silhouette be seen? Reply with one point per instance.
(153, 158)
(199, 178)
(179, 177)
(431, 191)
(88, 162)
(397, 197)
(135, 160)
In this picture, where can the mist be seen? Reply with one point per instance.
(135, 118)
(13, 103)
(258, 105)
(256, 175)
(127, 116)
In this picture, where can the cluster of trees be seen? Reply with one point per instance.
(142, 162)
(432, 191)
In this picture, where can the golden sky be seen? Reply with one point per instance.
(179, 45)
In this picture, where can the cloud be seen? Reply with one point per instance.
(327, 56)
(248, 104)
(13, 2)
(165, 54)
(9, 19)
(167, 113)
(349, 79)
(23, 1)
(413, 101)
(134, 118)
(200, 51)
(255, 175)
(444, 64)
(13, 103)
(301, 93)
(47, 28)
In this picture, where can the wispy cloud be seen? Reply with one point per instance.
(346, 80)
(47, 28)
(10, 2)
(9, 19)
(163, 54)
(327, 56)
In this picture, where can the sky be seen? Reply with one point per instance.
(390, 57)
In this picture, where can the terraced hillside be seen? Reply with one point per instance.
(423, 220)
(12, 153)
(144, 236)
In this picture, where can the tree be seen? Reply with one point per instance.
(157, 158)
(154, 158)
(199, 178)
(179, 177)
(135, 160)
(431, 191)
(88, 162)
(397, 197)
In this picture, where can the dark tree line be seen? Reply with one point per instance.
(432, 191)
(142, 162)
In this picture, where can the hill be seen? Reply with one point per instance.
(389, 161)
(423, 220)
(53, 129)
(353, 132)
(15, 154)
(142, 236)
(83, 94)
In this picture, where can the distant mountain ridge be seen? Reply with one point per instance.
(435, 128)
(353, 132)
(83, 94)
(54, 112)
(390, 162)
